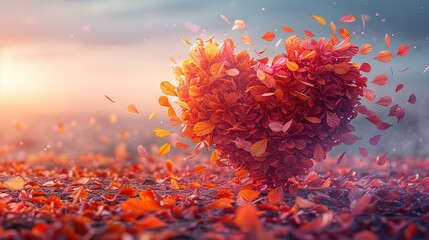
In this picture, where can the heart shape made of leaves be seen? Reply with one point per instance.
(271, 119)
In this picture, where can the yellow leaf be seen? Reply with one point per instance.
(186, 41)
(152, 116)
(183, 104)
(319, 19)
(258, 148)
(211, 51)
(164, 149)
(159, 132)
(292, 66)
(215, 156)
(203, 128)
(15, 183)
(168, 89)
(132, 108)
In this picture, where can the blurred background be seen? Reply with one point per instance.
(58, 60)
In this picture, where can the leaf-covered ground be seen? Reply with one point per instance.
(94, 196)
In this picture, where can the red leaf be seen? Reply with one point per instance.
(387, 40)
(399, 87)
(383, 126)
(318, 153)
(276, 195)
(128, 191)
(402, 50)
(412, 99)
(369, 94)
(384, 101)
(313, 119)
(340, 158)
(365, 49)
(363, 152)
(399, 113)
(287, 29)
(268, 36)
(332, 120)
(380, 80)
(349, 138)
(381, 159)
(365, 67)
(276, 126)
(375, 139)
(308, 33)
(348, 19)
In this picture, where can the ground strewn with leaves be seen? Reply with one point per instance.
(102, 197)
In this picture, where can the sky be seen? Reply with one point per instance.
(63, 56)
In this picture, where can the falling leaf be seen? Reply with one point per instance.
(292, 66)
(402, 50)
(152, 116)
(14, 183)
(168, 89)
(159, 132)
(381, 159)
(132, 108)
(319, 19)
(164, 149)
(181, 146)
(340, 158)
(142, 151)
(399, 87)
(308, 33)
(383, 125)
(287, 29)
(426, 69)
(268, 36)
(259, 147)
(318, 153)
(412, 99)
(277, 44)
(246, 39)
(384, 101)
(225, 19)
(375, 139)
(363, 21)
(384, 56)
(248, 194)
(186, 41)
(172, 59)
(365, 49)
(214, 157)
(369, 94)
(349, 138)
(365, 67)
(344, 33)
(163, 101)
(348, 19)
(333, 28)
(239, 24)
(380, 80)
(363, 152)
(387, 40)
(110, 99)
(128, 191)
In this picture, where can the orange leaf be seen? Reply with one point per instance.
(164, 149)
(402, 50)
(132, 108)
(128, 191)
(333, 28)
(224, 193)
(246, 39)
(369, 94)
(150, 222)
(168, 89)
(387, 40)
(136, 204)
(308, 33)
(181, 146)
(292, 66)
(80, 181)
(15, 183)
(186, 41)
(365, 49)
(384, 56)
(344, 33)
(214, 157)
(163, 101)
(307, 54)
(275, 195)
(258, 148)
(220, 203)
(313, 119)
(304, 203)
(199, 168)
(203, 128)
(287, 29)
(380, 80)
(348, 19)
(248, 194)
(319, 19)
(159, 132)
(246, 217)
(108, 98)
(268, 36)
